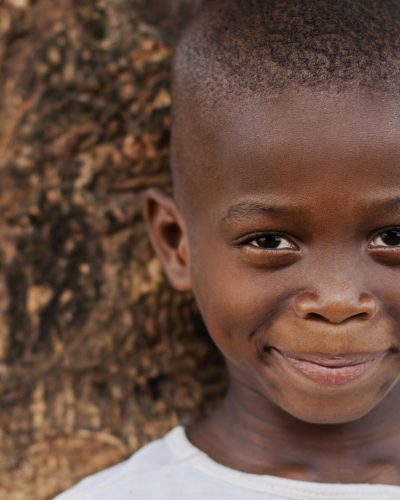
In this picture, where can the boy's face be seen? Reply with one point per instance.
(289, 235)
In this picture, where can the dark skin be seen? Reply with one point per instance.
(289, 237)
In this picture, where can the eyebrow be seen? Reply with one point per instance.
(388, 204)
(248, 209)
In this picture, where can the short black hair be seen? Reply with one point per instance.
(242, 47)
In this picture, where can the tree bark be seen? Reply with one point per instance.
(98, 355)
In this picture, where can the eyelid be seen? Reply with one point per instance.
(246, 240)
(379, 234)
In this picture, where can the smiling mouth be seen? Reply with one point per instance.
(332, 370)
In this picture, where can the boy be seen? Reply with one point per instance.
(285, 223)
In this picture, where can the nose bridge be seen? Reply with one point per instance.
(337, 272)
(336, 292)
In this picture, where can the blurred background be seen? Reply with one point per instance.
(98, 355)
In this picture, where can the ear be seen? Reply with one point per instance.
(168, 235)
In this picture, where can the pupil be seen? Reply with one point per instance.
(391, 238)
(270, 241)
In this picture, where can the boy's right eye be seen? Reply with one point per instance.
(387, 239)
(270, 241)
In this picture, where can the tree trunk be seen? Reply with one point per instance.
(98, 355)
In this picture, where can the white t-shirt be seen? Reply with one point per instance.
(172, 468)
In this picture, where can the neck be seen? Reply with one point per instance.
(273, 442)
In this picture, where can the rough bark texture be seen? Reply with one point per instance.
(97, 354)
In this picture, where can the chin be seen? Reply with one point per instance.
(328, 413)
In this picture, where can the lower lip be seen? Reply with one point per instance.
(333, 376)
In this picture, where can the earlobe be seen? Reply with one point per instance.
(168, 236)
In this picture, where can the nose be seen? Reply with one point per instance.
(336, 306)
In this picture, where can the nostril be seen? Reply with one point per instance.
(316, 317)
(319, 317)
(363, 315)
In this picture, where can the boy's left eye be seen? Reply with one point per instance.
(387, 239)
(271, 241)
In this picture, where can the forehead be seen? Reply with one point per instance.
(258, 144)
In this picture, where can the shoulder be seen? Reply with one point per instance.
(145, 472)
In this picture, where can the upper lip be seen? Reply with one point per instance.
(335, 360)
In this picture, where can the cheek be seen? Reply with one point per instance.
(389, 291)
(235, 302)
(385, 286)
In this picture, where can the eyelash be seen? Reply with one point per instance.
(380, 234)
(247, 242)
